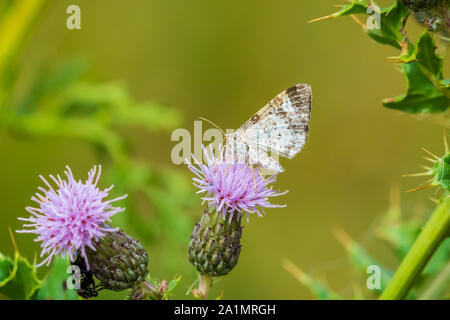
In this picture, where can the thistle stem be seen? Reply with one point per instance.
(13, 28)
(433, 234)
(148, 291)
(203, 287)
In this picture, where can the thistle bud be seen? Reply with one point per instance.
(119, 262)
(215, 245)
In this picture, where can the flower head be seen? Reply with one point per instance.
(232, 186)
(70, 218)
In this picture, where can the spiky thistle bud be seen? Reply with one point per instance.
(118, 261)
(215, 243)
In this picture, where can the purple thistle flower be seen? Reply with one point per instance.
(72, 217)
(232, 186)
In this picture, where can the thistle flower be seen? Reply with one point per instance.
(70, 219)
(233, 187)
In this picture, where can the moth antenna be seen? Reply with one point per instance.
(215, 125)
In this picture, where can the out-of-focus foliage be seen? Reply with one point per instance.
(63, 102)
(18, 277)
(399, 233)
(427, 90)
(319, 289)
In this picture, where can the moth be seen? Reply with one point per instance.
(280, 127)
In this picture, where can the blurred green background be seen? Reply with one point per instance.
(223, 60)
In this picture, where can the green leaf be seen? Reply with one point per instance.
(427, 91)
(425, 53)
(6, 267)
(355, 7)
(392, 20)
(422, 96)
(22, 281)
(53, 287)
(172, 285)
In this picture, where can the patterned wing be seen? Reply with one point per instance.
(281, 125)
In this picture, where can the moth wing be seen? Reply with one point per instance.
(282, 124)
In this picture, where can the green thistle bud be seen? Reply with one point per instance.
(215, 243)
(119, 262)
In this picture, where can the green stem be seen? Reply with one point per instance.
(148, 291)
(432, 235)
(203, 287)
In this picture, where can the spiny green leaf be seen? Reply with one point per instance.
(6, 268)
(22, 281)
(53, 286)
(172, 285)
(425, 54)
(421, 96)
(427, 92)
(355, 7)
(392, 20)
